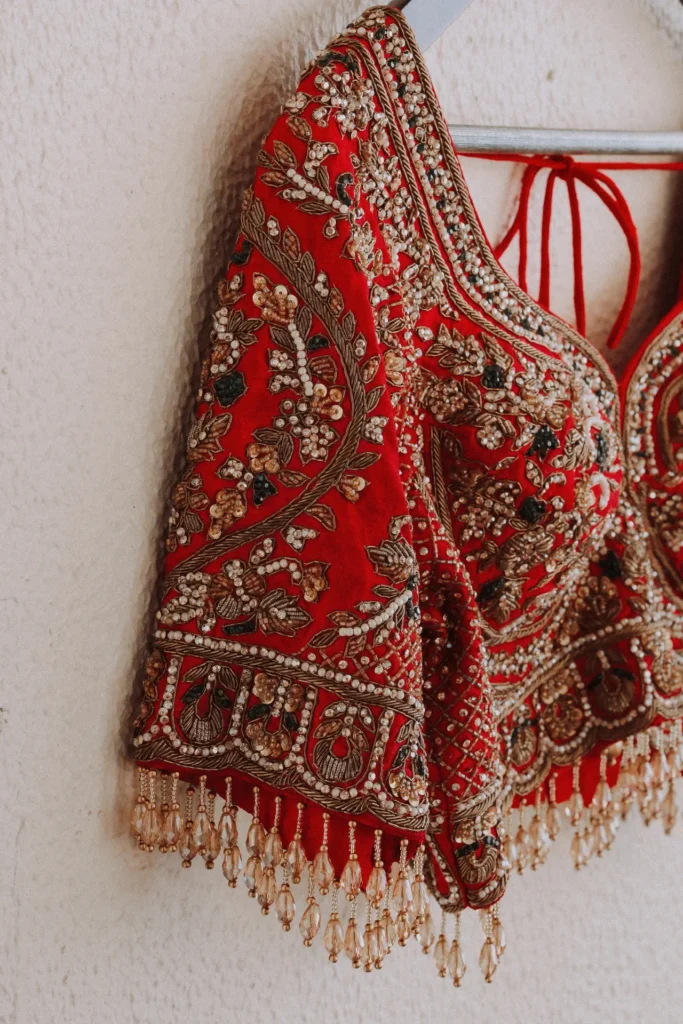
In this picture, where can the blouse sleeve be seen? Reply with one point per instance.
(287, 670)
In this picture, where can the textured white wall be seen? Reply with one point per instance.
(128, 132)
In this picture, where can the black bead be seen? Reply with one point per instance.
(263, 488)
(231, 387)
(531, 510)
(611, 566)
(342, 182)
(601, 450)
(490, 589)
(493, 376)
(545, 441)
(240, 627)
(317, 341)
(241, 256)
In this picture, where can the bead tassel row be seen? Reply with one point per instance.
(649, 766)
(397, 905)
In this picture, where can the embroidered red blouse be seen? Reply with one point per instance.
(424, 557)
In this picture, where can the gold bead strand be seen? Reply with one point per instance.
(201, 826)
(309, 925)
(552, 814)
(441, 949)
(334, 933)
(285, 907)
(456, 962)
(213, 840)
(351, 878)
(322, 865)
(369, 939)
(163, 811)
(388, 924)
(522, 843)
(403, 896)
(488, 957)
(353, 938)
(149, 834)
(574, 811)
(172, 824)
(186, 846)
(377, 882)
(140, 805)
(296, 854)
(256, 839)
(272, 856)
(232, 858)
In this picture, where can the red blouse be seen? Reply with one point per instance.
(424, 557)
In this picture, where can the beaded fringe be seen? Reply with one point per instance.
(396, 905)
(650, 764)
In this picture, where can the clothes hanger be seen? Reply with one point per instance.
(429, 19)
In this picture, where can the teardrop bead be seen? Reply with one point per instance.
(172, 827)
(658, 762)
(201, 827)
(389, 928)
(383, 946)
(552, 821)
(212, 847)
(149, 832)
(376, 885)
(539, 841)
(323, 872)
(488, 960)
(603, 795)
(510, 851)
(402, 894)
(574, 808)
(272, 850)
(232, 865)
(267, 890)
(673, 761)
(334, 938)
(285, 907)
(669, 810)
(420, 899)
(353, 942)
(253, 874)
(309, 925)
(441, 955)
(256, 838)
(137, 816)
(402, 927)
(186, 846)
(297, 859)
(522, 845)
(351, 878)
(426, 933)
(227, 828)
(645, 775)
(498, 936)
(456, 963)
(371, 947)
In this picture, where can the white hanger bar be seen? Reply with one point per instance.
(470, 138)
(429, 19)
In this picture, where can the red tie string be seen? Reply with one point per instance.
(592, 175)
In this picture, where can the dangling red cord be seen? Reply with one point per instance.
(592, 175)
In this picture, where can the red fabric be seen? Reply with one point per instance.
(401, 473)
